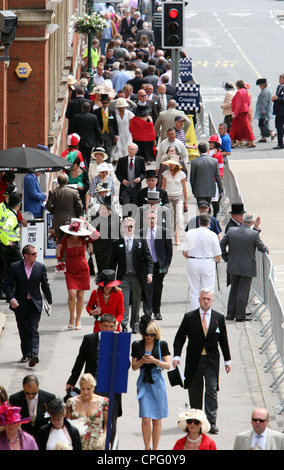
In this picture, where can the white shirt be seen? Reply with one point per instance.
(202, 243)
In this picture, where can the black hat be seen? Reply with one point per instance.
(10, 189)
(105, 200)
(175, 377)
(14, 200)
(237, 208)
(203, 204)
(106, 278)
(71, 393)
(142, 110)
(151, 174)
(104, 97)
(261, 81)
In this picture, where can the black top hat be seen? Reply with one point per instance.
(104, 97)
(151, 174)
(142, 110)
(175, 377)
(261, 81)
(237, 208)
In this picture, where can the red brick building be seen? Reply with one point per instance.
(45, 41)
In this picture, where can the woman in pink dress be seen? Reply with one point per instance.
(76, 268)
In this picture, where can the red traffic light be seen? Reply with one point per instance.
(173, 13)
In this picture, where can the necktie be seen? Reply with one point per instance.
(131, 164)
(152, 243)
(204, 321)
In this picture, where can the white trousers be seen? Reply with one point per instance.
(200, 274)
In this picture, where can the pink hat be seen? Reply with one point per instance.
(11, 414)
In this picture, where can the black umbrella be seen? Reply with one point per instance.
(26, 159)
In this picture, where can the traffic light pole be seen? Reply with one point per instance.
(175, 66)
(173, 33)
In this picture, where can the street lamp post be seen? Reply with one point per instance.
(91, 9)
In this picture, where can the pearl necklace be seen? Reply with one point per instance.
(193, 440)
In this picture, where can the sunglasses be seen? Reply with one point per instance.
(33, 254)
(255, 420)
(192, 421)
(150, 334)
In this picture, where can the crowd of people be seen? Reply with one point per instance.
(127, 133)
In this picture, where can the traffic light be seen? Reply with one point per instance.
(172, 25)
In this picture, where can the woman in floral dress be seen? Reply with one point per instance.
(88, 413)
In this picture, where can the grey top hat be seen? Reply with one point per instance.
(153, 196)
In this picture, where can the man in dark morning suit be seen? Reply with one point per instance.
(206, 331)
(151, 181)
(88, 358)
(131, 259)
(32, 401)
(242, 243)
(128, 23)
(159, 241)
(23, 284)
(108, 125)
(130, 172)
(75, 107)
(86, 125)
(278, 111)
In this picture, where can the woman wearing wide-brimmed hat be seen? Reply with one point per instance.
(143, 133)
(12, 437)
(174, 182)
(108, 298)
(123, 117)
(195, 424)
(103, 176)
(77, 273)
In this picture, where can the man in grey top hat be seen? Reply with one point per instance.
(264, 110)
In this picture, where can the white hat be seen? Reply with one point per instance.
(71, 80)
(121, 103)
(102, 167)
(76, 228)
(193, 413)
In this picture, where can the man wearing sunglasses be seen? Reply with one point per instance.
(23, 284)
(134, 264)
(260, 436)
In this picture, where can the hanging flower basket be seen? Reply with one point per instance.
(89, 23)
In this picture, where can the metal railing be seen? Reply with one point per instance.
(263, 288)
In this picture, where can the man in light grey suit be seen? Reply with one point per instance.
(241, 264)
(166, 119)
(260, 436)
(204, 172)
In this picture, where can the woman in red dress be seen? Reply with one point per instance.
(241, 130)
(77, 272)
(143, 133)
(108, 298)
(196, 425)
